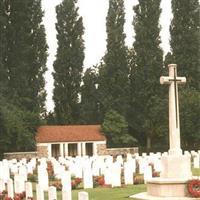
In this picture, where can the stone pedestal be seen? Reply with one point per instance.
(176, 171)
(165, 187)
(174, 166)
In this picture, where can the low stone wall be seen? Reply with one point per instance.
(121, 151)
(102, 150)
(20, 155)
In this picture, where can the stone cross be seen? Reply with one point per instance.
(174, 124)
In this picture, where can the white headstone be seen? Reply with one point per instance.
(52, 193)
(39, 192)
(108, 175)
(116, 175)
(10, 188)
(83, 196)
(43, 179)
(29, 190)
(87, 178)
(2, 185)
(19, 184)
(128, 173)
(23, 172)
(66, 185)
(196, 161)
(147, 173)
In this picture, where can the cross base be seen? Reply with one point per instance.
(176, 166)
(174, 152)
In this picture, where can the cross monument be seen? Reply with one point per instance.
(174, 123)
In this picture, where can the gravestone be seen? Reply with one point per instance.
(116, 175)
(108, 175)
(87, 177)
(29, 190)
(2, 185)
(43, 179)
(196, 161)
(39, 192)
(83, 196)
(66, 185)
(128, 173)
(52, 194)
(19, 184)
(23, 172)
(147, 173)
(10, 188)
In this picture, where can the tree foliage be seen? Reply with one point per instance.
(185, 39)
(26, 55)
(115, 127)
(189, 118)
(185, 47)
(113, 74)
(68, 65)
(17, 128)
(22, 66)
(89, 111)
(147, 96)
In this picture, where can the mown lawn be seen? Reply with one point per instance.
(111, 193)
(100, 193)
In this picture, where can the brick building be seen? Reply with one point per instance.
(71, 140)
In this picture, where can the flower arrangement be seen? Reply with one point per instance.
(194, 187)
(20, 196)
(58, 185)
(75, 182)
(99, 181)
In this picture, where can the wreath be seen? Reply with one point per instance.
(194, 187)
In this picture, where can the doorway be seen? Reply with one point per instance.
(89, 149)
(72, 149)
(55, 149)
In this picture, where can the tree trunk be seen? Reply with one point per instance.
(148, 144)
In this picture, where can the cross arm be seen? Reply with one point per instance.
(165, 80)
(169, 80)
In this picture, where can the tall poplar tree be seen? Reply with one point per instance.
(185, 40)
(89, 111)
(147, 99)
(113, 75)
(185, 48)
(3, 46)
(69, 62)
(22, 65)
(26, 55)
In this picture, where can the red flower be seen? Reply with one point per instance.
(77, 180)
(194, 187)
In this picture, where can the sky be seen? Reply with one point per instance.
(94, 14)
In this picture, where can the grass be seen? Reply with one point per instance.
(111, 193)
(196, 172)
(100, 193)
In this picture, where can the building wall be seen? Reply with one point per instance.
(99, 148)
(20, 155)
(42, 150)
(103, 150)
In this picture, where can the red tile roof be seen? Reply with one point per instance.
(71, 133)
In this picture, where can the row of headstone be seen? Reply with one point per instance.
(13, 188)
(87, 167)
